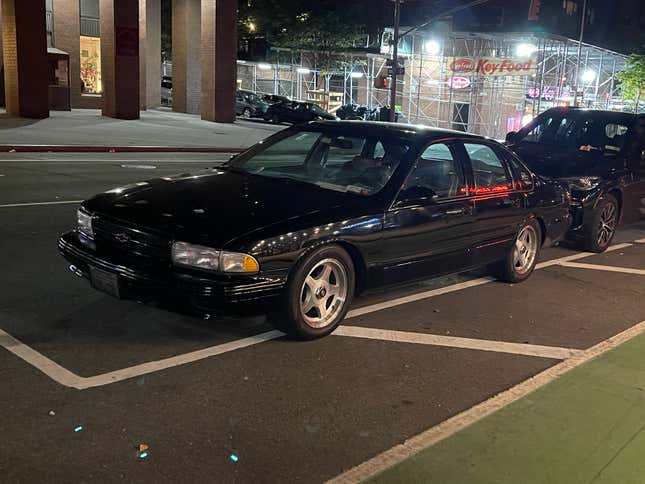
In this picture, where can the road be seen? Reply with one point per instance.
(230, 400)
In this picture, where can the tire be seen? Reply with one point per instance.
(246, 113)
(522, 257)
(275, 119)
(599, 230)
(318, 294)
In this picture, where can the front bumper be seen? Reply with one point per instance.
(206, 294)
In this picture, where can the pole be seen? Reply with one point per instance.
(395, 58)
(582, 31)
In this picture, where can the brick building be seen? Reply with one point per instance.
(113, 52)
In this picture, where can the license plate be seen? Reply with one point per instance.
(104, 281)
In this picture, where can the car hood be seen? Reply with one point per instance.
(216, 207)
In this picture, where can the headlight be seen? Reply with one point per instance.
(84, 223)
(583, 183)
(213, 260)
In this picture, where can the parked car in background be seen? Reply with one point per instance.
(295, 112)
(166, 91)
(312, 216)
(249, 105)
(357, 112)
(274, 98)
(600, 155)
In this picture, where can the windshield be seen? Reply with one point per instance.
(352, 164)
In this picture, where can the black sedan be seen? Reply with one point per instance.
(601, 156)
(312, 216)
(295, 112)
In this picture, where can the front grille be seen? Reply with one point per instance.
(132, 245)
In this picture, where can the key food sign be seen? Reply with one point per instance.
(492, 66)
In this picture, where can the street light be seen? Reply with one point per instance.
(432, 47)
(525, 50)
(588, 76)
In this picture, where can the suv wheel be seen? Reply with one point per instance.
(599, 230)
(318, 294)
(246, 113)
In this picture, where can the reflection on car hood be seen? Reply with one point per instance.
(215, 207)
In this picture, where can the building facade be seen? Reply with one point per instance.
(484, 83)
(113, 51)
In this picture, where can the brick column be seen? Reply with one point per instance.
(219, 55)
(67, 31)
(150, 53)
(186, 58)
(1, 62)
(24, 44)
(120, 58)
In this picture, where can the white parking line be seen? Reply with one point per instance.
(152, 366)
(449, 427)
(597, 267)
(67, 378)
(35, 204)
(50, 368)
(418, 297)
(457, 342)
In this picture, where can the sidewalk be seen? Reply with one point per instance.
(585, 427)
(156, 128)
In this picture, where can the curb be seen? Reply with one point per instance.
(114, 149)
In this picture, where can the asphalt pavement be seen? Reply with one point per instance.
(86, 379)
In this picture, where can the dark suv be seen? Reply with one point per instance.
(601, 156)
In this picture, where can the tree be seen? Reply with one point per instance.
(325, 28)
(632, 79)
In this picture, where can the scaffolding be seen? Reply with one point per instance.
(430, 93)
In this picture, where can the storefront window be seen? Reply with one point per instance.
(91, 65)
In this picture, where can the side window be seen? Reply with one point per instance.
(379, 151)
(537, 133)
(437, 170)
(489, 171)
(566, 134)
(524, 177)
(615, 137)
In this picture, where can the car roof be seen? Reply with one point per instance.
(595, 113)
(400, 129)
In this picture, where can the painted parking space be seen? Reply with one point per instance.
(629, 257)
(551, 308)
(200, 391)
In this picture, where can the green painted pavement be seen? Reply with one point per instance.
(588, 426)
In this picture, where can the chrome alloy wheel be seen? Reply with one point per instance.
(323, 293)
(525, 251)
(607, 224)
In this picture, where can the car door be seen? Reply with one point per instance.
(426, 231)
(499, 205)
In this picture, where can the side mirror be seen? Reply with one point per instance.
(417, 194)
(511, 137)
